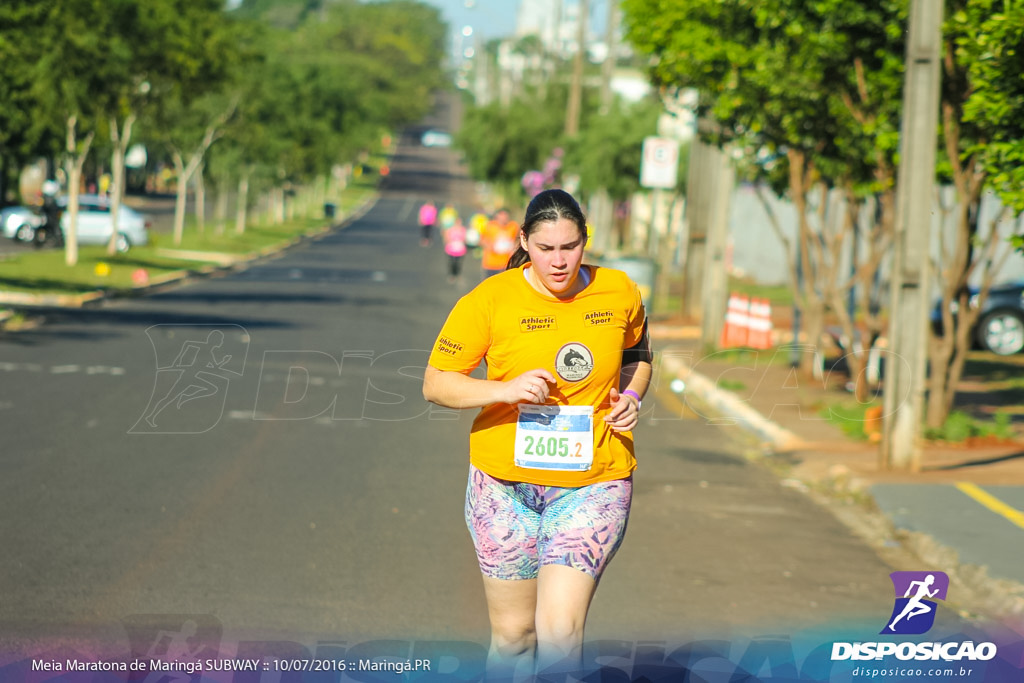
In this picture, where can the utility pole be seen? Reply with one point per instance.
(698, 218)
(716, 279)
(611, 40)
(908, 318)
(572, 112)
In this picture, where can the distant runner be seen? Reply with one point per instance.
(427, 218)
(499, 239)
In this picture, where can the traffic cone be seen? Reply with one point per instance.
(737, 319)
(760, 336)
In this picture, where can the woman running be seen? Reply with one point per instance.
(551, 451)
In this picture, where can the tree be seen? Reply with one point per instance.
(339, 74)
(197, 125)
(981, 138)
(197, 96)
(152, 48)
(502, 143)
(24, 130)
(775, 80)
(69, 81)
(607, 153)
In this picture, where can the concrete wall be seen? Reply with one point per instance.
(757, 253)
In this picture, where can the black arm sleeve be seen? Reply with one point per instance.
(639, 352)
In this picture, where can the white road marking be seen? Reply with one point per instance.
(68, 369)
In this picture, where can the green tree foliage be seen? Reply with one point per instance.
(989, 43)
(336, 74)
(607, 152)
(821, 78)
(22, 131)
(818, 86)
(502, 143)
(812, 87)
(315, 81)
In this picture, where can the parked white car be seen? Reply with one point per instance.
(19, 223)
(94, 226)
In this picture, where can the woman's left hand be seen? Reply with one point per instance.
(625, 412)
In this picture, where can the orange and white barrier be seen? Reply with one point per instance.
(737, 322)
(759, 335)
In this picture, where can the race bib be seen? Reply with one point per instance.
(504, 246)
(555, 437)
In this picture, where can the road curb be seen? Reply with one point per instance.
(728, 405)
(221, 262)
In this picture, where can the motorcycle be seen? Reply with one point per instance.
(49, 232)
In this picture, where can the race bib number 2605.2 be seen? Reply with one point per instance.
(555, 437)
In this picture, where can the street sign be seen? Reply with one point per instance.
(660, 163)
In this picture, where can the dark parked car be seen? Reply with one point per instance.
(1000, 327)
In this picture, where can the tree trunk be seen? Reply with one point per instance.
(180, 199)
(811, 304)
(73, 169)
(200, 201)
(243, 202)
(220, 208)
(279, 205)
(948, 354)
(939, 352)
(814, 327)
(195, 161)
(120, 140)
(73, 164)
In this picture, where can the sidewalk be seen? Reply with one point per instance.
(208, 263)
(961, 514)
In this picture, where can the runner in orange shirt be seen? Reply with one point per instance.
(499, 239)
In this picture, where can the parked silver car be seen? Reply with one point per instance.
(19, 223)
(94, 225)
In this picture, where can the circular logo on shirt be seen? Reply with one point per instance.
(574, 362)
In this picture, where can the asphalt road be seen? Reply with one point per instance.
(300, 490)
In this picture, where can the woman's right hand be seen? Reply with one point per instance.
(533, 386)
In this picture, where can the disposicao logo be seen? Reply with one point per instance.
(914, 612)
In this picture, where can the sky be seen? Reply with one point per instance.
(489, 18)
(497, 18)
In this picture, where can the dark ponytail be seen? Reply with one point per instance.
(518, 257)
(547, 207)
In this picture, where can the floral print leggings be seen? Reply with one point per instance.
(518, 527)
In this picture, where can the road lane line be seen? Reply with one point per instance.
(992, 503)
(406, 211)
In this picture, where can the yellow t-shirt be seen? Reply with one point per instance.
(515, 328)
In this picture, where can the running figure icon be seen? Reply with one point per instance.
(194, 363)
(916, 606)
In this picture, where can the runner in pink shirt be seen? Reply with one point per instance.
(455, 247)
(427, 218)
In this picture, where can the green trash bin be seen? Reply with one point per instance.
(330, 210)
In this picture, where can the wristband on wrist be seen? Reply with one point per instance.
(630, 392)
